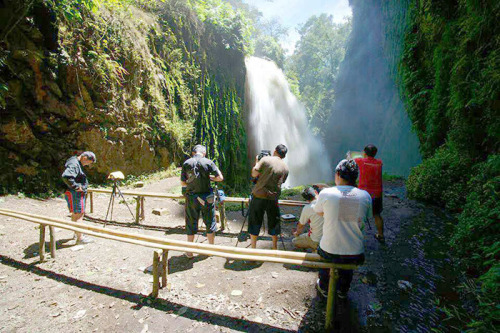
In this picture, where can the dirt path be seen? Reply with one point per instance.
(103, 286)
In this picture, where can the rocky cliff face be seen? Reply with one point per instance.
(368, 107)
(130, 85)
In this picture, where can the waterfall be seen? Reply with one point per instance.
(276, 116)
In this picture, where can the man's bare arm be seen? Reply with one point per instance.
(255, 173)
(300, 228)
(217, 178)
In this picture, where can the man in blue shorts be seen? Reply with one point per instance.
(76, 180)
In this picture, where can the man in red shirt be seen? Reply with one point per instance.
(370, 180)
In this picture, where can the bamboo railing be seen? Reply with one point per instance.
(139, 196)
(166, 244)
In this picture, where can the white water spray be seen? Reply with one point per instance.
(276, 116)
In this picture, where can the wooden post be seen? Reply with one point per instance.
(137, 209)
(41, 244)
(156, 277)
(91, 202)
(52, 242)
(164, 268)
(143, 215)
(330, 302)
(222, 216)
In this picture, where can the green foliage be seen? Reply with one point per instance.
(450, 72)
(233, 24)
(168, 72)
(316, 63)
(442, 179)
(292, 192)
(388, 177)
(269, 47)
(171, 171)
(476, 235)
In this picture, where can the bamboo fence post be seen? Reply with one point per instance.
(164, 268)
(330, 302)
(91, 202)
(137, 209)
(222, 212)
(52, 242)
(41, 244)
(156, 277)
(143, 215)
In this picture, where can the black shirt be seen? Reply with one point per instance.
(74, 176)
(196, 173)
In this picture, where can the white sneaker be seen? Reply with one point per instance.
(84, 240)
(320, 290)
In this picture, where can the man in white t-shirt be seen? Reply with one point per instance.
(308, 215)
(345, 209)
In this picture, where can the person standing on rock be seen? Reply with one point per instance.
(345, 209)
(197, 172)
(76, 180)
(315, 221)
(370, 180)
(271, 172)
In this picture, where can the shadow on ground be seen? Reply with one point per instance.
(32, 250)
(140, 301)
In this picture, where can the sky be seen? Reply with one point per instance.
(291, 13)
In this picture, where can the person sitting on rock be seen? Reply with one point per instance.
(76, 180)
(315, 221)
(345, 209)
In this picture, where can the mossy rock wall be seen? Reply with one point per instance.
(135, 87)
(450, 76)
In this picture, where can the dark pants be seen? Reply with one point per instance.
(256, 215)
(194, 207)
(345, 275)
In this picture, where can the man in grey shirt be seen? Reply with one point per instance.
(76, 180)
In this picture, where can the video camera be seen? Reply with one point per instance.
(263, 153)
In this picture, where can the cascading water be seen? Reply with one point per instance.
(276, 116)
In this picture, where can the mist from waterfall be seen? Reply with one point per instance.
(276, 116)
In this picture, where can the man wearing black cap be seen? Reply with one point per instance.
(345, 209)
(77, 182)
(271, 172)
(197, 172)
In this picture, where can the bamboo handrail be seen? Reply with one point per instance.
(295, 203)
(277, 256)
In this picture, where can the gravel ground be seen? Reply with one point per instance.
(104, 285)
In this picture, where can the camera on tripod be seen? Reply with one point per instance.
(263, 153)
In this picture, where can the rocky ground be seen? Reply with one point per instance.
(103, 286)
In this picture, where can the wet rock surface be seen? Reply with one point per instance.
(104, 286)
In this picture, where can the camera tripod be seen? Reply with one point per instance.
(114, 192)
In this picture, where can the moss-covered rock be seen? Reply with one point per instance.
(134, 84)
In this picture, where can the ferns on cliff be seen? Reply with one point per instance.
(450, 72)
(129, 79)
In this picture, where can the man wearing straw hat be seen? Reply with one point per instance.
(76, 180)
